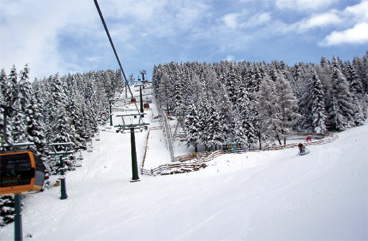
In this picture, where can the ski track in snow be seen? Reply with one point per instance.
(270, 195)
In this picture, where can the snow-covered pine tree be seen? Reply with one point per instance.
(288, 106)
(299, 79)
(361, 68)
(36, 122)
(13, 86)
(227, 118)
(20, 102)
(232, 84)
(246, 133)
(3, 86)
(179, 95)
(359, 96)
(191, 126)
(19, 129)
(268, 111)
(24, 88)
(164, 93)
(253, 82)
(211, 82)
(75, 111)
(212, 129)
(6, 210)
(108, 85)
(342, 109)
(10, 95)
(312, 106)
(59, 119)
(25, 95)
(3, 93)
(318, 108)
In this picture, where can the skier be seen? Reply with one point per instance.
(301, 148)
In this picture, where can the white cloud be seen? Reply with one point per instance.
(355, 20)
(359, 11)
(323, 20)
(159, 18)
(257, 20)
(34, 31)
(30, 30)
(318, 21)
(231, 20)
(356, 35)
(304, 5)
(236, 21)
(230, 58)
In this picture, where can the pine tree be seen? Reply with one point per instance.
(359, 97)
(246, 133)
(3, 93)
(60, 127)
(75, 111)
(210, 124)
(20, 102)
(26, 99)
(319, 116)
(312, 106)
(287, 105)
(3, 86)
(6, 210)
(253, 86)
(191, 126)
(341, 111)
(36, 122)
(227, 118)
(13, 87)
(164, 93)
(231, 85)
(179, 95)
(267, 111)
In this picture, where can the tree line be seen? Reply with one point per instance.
(257, 103)
(55, 109)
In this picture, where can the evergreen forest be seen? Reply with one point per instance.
(56, 109)
(253, 104)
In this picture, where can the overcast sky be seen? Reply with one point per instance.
(67, 36)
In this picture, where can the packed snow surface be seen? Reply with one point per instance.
(268, 195)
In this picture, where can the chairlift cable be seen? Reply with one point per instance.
(113, 48)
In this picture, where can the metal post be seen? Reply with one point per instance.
(135, 177)
(62, 181)
(18, 236)
(110, 103)
(141, 98)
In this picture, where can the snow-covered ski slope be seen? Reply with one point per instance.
(271, 195)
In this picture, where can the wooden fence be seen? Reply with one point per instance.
(186, 163)
(195, 161)
(292, 145)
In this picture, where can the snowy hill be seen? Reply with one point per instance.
(270, 195)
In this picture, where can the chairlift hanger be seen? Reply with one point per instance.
(67, 146)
